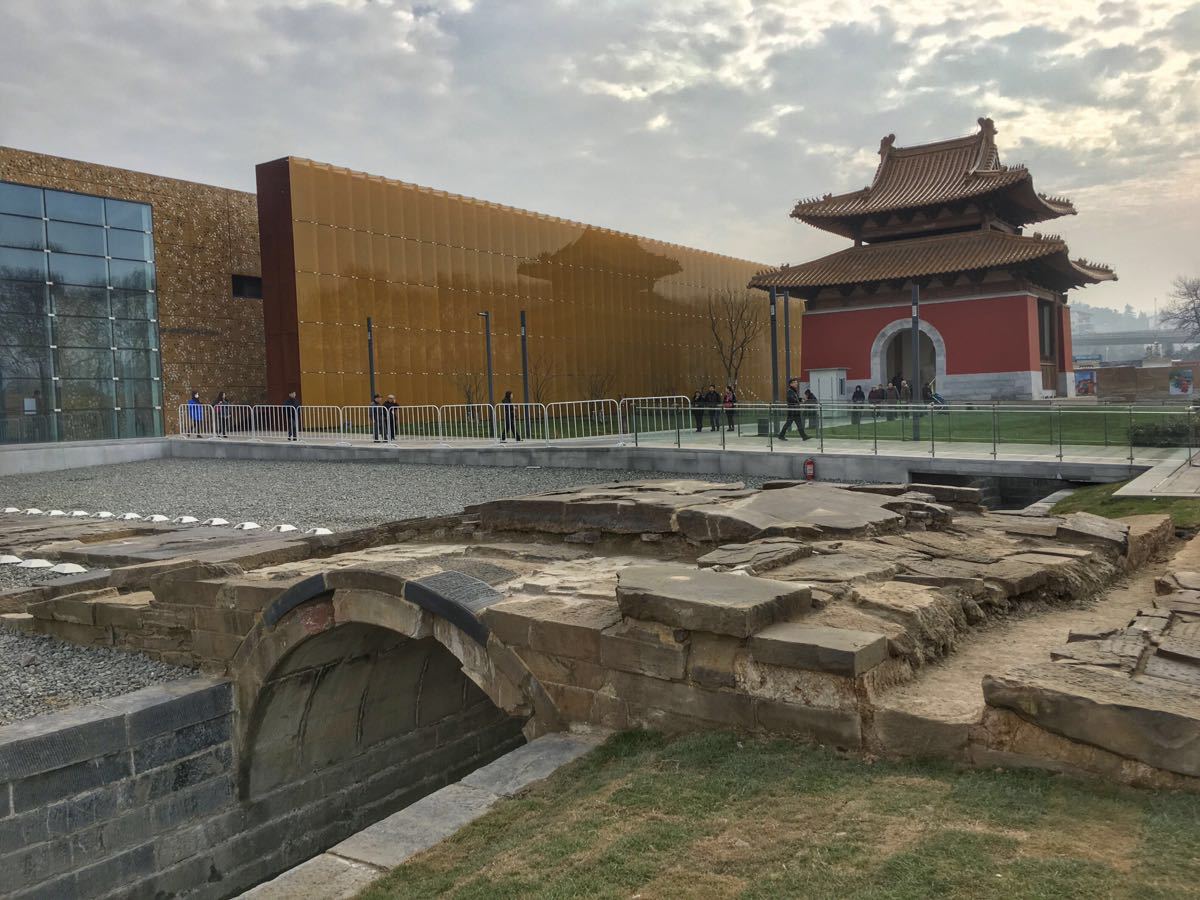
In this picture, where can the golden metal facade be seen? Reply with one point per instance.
(609, 314)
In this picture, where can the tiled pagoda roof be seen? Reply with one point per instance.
(965, 251)
(935, 174)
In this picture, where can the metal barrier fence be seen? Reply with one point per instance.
(397, 423)
(1061, 430)
(573, 419)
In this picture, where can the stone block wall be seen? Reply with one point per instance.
(203, 235)
(138, 796)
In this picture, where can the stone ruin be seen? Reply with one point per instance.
(801, 609)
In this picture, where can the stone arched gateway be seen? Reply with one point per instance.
(371, 690)
(879, 349)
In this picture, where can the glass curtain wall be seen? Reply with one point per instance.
(79, 347)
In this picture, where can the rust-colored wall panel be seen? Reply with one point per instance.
(203, 235)
(608, 312)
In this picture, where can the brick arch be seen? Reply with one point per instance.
(883, 339)
(352, 611)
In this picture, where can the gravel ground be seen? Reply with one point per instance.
(40, 674)
(13, 577)
(305, 494)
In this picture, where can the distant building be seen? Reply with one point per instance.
(949, 218)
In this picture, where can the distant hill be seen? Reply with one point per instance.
(1086, 319)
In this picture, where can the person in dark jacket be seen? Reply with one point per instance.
(509, 415)
(712, 400)
(221, 415)
(378, 419)
(698, 410)
(795, 411)
(729, 402)
(876, 395)
(891, 398)
(390, 405)
(291, 412)
(857, 399)
(812, 405)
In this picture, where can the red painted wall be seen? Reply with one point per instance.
(993, 335)
(1066, 352)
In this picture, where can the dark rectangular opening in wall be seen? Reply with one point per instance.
(247, 286)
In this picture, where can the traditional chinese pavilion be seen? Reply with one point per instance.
(950, 218)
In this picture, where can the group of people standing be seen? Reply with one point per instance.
(711, 402)
(223, 415)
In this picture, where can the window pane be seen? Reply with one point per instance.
(86, 270)
(18, 390)
(69, 238)
(72, 332)
(24, 331)
(136, 393)
(20, 200)
(75, 393)
(24, 362)
(74, 208)
(22, 265)
(72, 300)
(23, 298)
(130, 244)
(132, 276)
(138, 423)
(73, 362)
(123, 214)
(138, 335)
(135, 363)
(88, 425)
(16, 231)
(131, 305)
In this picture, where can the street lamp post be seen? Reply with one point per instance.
(774, 350)
(524, 358)
(371, 356)
(486, 315)
(915, 385)
(787, 338)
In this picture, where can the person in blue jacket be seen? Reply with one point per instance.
(195, 412)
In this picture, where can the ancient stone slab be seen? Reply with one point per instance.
(690, 706)
(648, 648)
(700, 600)
(1087, 528)
(839, 566)
(907, 734)
(960, 497)
(385, 610)
(756, 557)
(573, 627)
(712, 660)
(838, 650)
(1155, 721)
(833, 727)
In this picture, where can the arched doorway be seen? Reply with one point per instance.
(891, 352)
(898, 358)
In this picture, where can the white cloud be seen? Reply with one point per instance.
(559, 105)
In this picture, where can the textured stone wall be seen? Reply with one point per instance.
(203, 235)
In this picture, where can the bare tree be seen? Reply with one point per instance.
(1183, 310)
(471, 386)
(735, 319)
(541, 375)
(598, 385)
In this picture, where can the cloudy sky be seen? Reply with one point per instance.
(694, 122)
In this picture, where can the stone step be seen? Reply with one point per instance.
(840, 651)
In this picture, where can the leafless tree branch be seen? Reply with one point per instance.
(736, 319)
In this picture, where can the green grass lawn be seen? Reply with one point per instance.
(713, 815)
(1099, 499)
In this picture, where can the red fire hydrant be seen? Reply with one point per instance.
(810, 469)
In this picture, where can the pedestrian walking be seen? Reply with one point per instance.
(712, 400)
(698, 410)
(891, 396)
(291, 412)
(195, 414)
(378, 419)
(221, 415)
(795, 415)
(857, 399)
(389, 406)
(508, 414)
(729, 402)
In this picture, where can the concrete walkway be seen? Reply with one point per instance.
(348, 867)
(1177, 476)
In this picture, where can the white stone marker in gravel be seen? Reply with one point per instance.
(9, 560)
(67, 569)
(157, 517)
(35, 564)
(33, 511)
(185, 520)
(103, 514)
(129, 517)
(285, 528)
(11, 509)
(318, 531)
(56, 512)
(216, 521)
(246, 526)
(79, 514)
